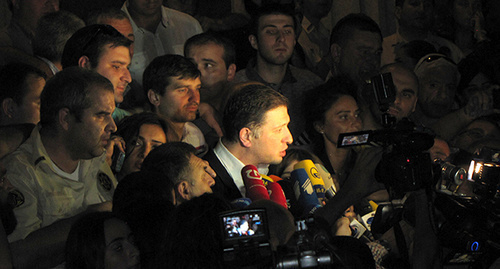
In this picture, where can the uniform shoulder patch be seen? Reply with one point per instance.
(105, 181)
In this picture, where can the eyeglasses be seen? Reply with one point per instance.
(432, 57)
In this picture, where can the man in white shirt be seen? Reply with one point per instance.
(256, 132)
(158, 30)
(60, 171)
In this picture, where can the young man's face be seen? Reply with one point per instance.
(360, 57)
(90, 135)
(181, 99)
(415, 14)
(113, 64)
(272, 138)
(275, 39)
(200, 181)
(29, 110)
(214, 72)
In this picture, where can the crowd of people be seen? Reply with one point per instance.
(126, 127)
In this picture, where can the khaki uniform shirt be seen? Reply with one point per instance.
(43, 196)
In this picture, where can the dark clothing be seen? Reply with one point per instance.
(224, 185)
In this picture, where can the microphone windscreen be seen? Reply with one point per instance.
(330, 189)
(276, 194)
(307, 200)
(253, 183)
(314, 176)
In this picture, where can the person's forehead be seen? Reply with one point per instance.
(401, 76)
(365, 38)
(178, 81)
(439, 73)
(275, 20)
(211, 49)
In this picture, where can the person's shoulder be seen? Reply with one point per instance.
(178, 16)
(301, 74)
(241, 76)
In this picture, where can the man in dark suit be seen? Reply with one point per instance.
(255, 122)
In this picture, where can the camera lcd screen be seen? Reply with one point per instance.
(244, 224)
(353, 139)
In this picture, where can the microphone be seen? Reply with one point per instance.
(253, 183)
(307, 200)
(330, 189)
(276, 194)
(315, 177)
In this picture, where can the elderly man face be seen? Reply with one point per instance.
(437, 92)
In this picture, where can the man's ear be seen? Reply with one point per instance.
(246, 136)
(84, 62)
(231, 72)
(253, 42)
(336, 51)
(183, 190)
(154, 98)
(64, 118)
(9, 107)
(318, 127)
(397, 12)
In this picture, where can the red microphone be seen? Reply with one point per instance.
(276, 194)
(253, 183)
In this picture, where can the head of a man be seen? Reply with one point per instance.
(52, 32)
(76, 108)
(177, 162)
(273, 34)
(414, 14)
(256, 118)
(144, 8)
(28, 12)
(406, 86)
(215, 57)
(20, 88)
(438, 77)
(482, 128)
(101, 48)
(172, 85)
(116, 18)
(315, 9)
(356, 47)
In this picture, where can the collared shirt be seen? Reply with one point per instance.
(119, 114)
(233, 166)
(293, 86)
(393, 42)
(46, 196)
(169, 38)
(51, 65)
(193, 136)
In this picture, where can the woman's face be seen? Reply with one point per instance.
(150, 137)
(463, 12)
(342, 117)
(120, 251)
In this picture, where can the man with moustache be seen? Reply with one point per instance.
(172, 85)
(256, 131)
(273, 36)
(60, 171)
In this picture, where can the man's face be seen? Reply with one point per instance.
(181, 99)
(406, 93)
(125, 28)
(437, 92)
(113, 64)
(89, 136)
(415, 14)
(342, 117)
(145, 7)
(150, 137)
(317, 8)
(463, 12)
(275, 39)
(214, 72)
(30, 11)
(200, 180)
(360, 57)
(474, 132)
(272, 138)
(29, 110)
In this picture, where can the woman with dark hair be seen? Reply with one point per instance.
(101, 240)
(142, 133)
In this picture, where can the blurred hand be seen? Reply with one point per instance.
(207, 113)
(110, 147)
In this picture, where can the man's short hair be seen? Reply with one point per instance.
(400, 3)
(170, 161)
(158, 73)
(110, 13)
(207, 38)
(53, 31)
(344, 28)
(90, 41)
(272, 9)
(71, 89)
(13, 80)
(247, 108)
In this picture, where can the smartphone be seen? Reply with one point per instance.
(117, 160)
